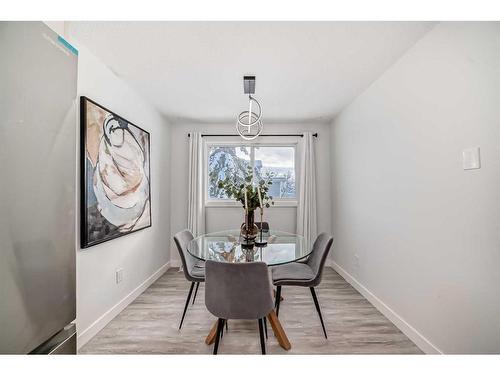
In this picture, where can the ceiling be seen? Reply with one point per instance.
(192, 71)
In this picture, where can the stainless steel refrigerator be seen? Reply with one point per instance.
(38, 82)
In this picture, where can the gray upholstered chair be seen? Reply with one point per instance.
(238, 291)
(194, 269)
(307, 274)
(265, 226)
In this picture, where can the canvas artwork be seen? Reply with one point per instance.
(115, 175)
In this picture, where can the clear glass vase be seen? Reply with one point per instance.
(249, 229)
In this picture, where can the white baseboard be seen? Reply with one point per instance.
(423, 343)
(175, 263)
(104, 319)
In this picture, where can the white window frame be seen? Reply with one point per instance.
(278, 202)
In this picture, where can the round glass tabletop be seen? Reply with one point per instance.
(228, 246)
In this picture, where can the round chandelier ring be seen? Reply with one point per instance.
(246, 114)
(241, 132)
(249, 138)
(256, 120)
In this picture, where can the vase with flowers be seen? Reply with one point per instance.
(251, 195)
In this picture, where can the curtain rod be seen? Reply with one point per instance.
(262, 135)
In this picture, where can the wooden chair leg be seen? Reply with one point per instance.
(187, 303)
(261, 333)
(318, 309)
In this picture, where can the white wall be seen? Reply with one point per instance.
(218, 218)
(143, 255)
(427, 233)
(57, 26)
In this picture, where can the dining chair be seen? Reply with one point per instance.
(306, 274)
(238, 291)
(194, 269)
(265, 226)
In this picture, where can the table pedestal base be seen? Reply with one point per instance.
(279, 332)
(211, 335)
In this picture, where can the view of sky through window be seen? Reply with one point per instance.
(276, 163)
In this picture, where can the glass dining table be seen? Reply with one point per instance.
(272, 247)
(228, 246)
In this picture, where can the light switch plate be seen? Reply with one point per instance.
(471, 158)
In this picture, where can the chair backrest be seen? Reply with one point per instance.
(238, 290)
(182, 240)
(317, 260)
(265, 225)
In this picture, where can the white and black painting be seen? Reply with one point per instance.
(115, 175)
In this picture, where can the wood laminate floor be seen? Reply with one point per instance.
(150, 324)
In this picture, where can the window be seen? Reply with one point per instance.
(274, 162)
(225, 161)
(279, 163)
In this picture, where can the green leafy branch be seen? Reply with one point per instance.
(236, 190)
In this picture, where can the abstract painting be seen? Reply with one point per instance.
(115, 181)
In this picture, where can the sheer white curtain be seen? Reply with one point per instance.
(306, 210)
(196, 209)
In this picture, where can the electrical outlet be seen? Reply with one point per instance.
(119, 275)
(471, 158)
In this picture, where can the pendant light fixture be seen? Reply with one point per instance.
(249, 123)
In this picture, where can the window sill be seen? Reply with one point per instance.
(229, 203)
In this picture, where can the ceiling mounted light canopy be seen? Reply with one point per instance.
(249, 124)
